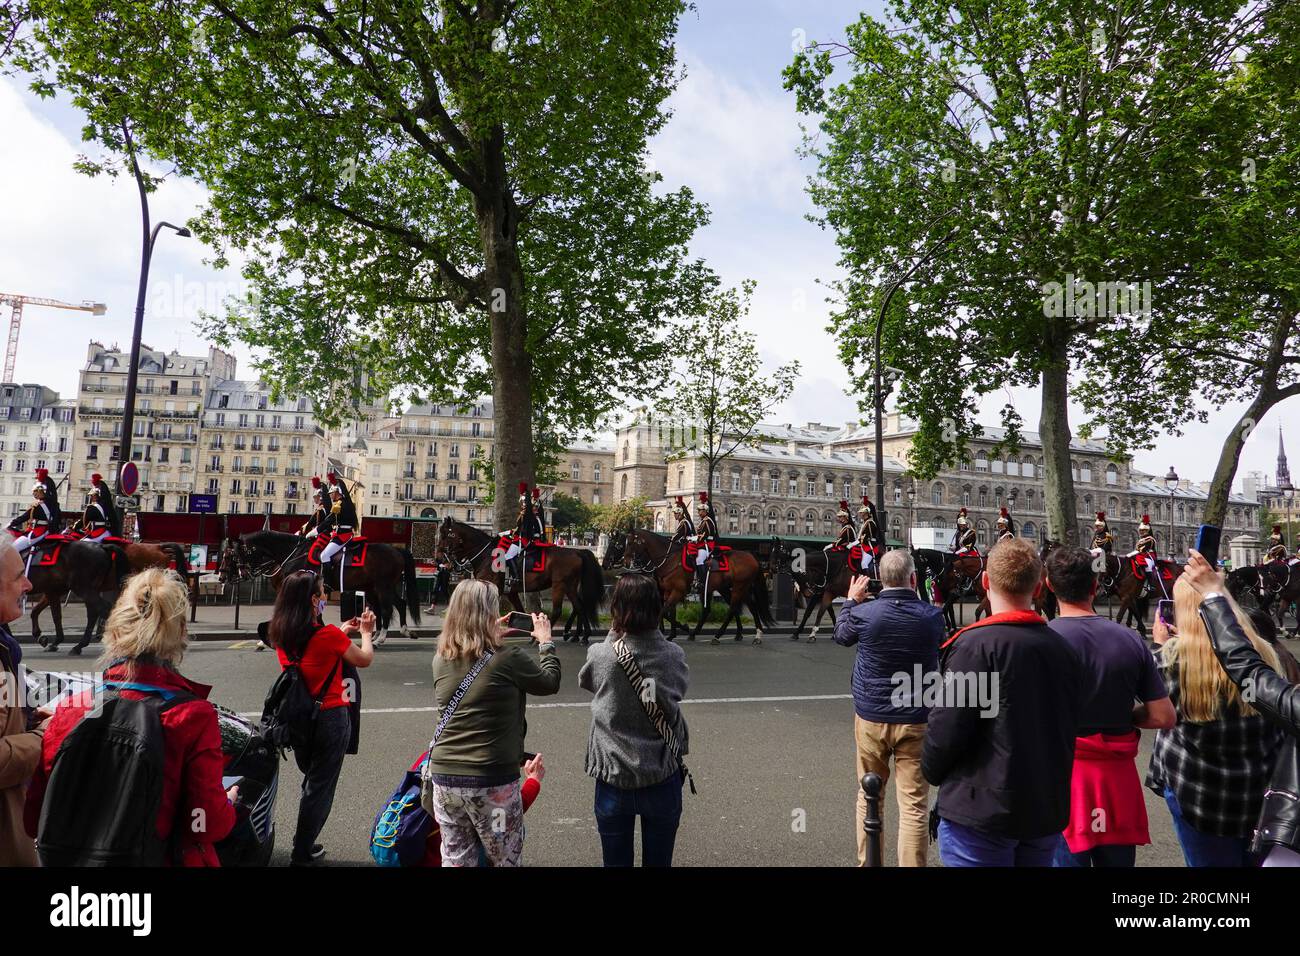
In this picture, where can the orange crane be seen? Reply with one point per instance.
(16, 320)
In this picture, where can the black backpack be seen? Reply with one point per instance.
(105, 788)
(290, 711)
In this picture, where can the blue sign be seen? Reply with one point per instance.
(203, 504)
(129, 479)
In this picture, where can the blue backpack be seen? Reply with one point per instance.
(401, 830)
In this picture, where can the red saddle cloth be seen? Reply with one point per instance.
(1140, 568)
(719, 558)
(534, 552)
(354, 550)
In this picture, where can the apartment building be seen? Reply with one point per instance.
(258, 454)
(36, 431)
(378, 468)
(170, 393)
(587, 471)
(438, 453)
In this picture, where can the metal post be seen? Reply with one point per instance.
(873, 787)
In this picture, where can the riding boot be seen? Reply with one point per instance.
(701, 572)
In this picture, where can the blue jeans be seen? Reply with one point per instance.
(660, 809)
(1206, 849)
(1116, 855)
(965, 846)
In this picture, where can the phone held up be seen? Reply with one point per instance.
(1165, 612)
(1207, 543)
(521, 626)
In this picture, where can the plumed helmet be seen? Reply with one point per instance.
(94, 492)
(96, 478)
(523, 492)
(679, 506)
(315, 483)
(865, 507)
(1277, 529)
(1003, 516)
(844, 510)
(38, 488)
(1145, 523)
(42, 474)
(537, 494)
(1101, 519)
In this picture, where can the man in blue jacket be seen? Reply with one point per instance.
(898, 637)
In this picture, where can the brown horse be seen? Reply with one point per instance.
(743, 586)
(571, 573)
(387, 578)
(1261, 584)
(1134, 594)
(86, 569)
(138, 558)
(822, 576)
(955, 577)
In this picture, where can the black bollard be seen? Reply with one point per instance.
(873, 787)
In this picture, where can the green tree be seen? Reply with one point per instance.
(621, 516)
(449, 196)
(718, 393)
(1012, 149)
(569, 513)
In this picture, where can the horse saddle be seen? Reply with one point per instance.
(354, 550)
(534, 552)
(1140, 568)
(719, 557)
(48, 549)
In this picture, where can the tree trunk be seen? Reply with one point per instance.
(1054, 428)
(1216, 505)
(513, 455)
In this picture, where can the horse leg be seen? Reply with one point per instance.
(726, 622)
(94, 610)
(807, 612)
(827, 600)
(36, 618)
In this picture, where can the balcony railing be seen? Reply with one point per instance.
(254, 470)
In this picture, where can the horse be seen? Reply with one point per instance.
(1259, 582)
(387, 571)
(742, 586)
(87, 569)
(954, 576)
(820, 578)
(139, 557)
(571, 573)
(1133, 595)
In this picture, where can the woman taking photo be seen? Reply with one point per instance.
(638, 769)
(1277, 832)
(1213, 767)
(472, 788)
(320, 651)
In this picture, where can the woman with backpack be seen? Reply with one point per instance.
(319, 651)
(638, 733)
(480, 685)
(89, 793)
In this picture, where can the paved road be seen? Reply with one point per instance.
(771, 745)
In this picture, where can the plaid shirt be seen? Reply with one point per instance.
(1217, 770)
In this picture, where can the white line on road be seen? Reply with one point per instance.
(587, 703)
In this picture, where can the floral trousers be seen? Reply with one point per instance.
(474, 818)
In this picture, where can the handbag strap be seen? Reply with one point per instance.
(458, 696)
(627, 660)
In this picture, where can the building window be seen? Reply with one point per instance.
(1027, 468)
(623, 483)
(575, 471)
(936, 494)
(755, 484)
(1085, 472)
(735, 482)
(1112, 475)
(753, 520)
(981, 461)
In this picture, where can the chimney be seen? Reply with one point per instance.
(792, 447)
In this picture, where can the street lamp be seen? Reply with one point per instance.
(1171, 482)
(911, 500)
(133, 371)
(1011, 505)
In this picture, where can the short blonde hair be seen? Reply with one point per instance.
(148, 619)
(471, 627)
(1014, 568)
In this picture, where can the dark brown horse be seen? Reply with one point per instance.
(742, 586)
(571, 573)
(387, 577)
(822, 576)
(1258, 584)
(88, 570)
(138, 558)
(1134, 595)
(954, 577)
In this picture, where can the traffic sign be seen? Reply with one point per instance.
(129, 478)
(127, 502)
(203, 504)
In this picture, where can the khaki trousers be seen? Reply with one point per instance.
(877, 743)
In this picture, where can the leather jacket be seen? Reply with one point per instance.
(1278, 700)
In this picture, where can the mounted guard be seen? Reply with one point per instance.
(1006, 528)
(316, 524)
(847, 534)
(963, 539)
(706, 533)
(1276, 546)
(528, 529)
(1102, 540)
(43, 517)
(343, 522)
(685, 530)
(867, 532)
(95, 519)
(1146, 548)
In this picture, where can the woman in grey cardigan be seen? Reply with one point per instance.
(636, 772)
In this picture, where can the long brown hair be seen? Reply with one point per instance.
(293, 621)
(470, 627)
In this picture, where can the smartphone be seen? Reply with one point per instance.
(1207, 542)
(520, 622)
(527, 757)
(1165, 612)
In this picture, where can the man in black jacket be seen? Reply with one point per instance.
(1000, 742)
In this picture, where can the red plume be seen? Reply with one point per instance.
(333, 478)
(536, 494)
(1146, 519)
(704, 497)
(844, 505)
(1003, 513)
(42, 473)
(96, 479)
(315, 482)
(1277, 529)
(523, 487)
(866, 500)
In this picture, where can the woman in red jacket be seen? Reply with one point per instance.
(144, 641)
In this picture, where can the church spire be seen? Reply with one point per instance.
(1283, 473)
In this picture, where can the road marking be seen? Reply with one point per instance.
(240, 645)
(587, 703)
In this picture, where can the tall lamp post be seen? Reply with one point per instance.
(1171, 482)
(911, 501)
(1289, 498)
(1011, 507)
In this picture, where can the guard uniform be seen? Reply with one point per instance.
(313, 525)
(344, 523)
(706, 534)
(867, 533)
(1102, 540)
(685, 530)
(1146, 544)
(94, 520)
(1006, 528)
(848, 534)
(43, 517)
(963, 539)
(1276, 546)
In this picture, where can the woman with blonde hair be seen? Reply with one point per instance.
(480, 684)
(1213, 766)
(144, 643)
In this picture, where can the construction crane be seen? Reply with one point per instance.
(16, 320)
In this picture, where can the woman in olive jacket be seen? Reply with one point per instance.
(1278, 831)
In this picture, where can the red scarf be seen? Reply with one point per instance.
(1004, 617)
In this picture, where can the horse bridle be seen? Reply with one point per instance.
(463, 565)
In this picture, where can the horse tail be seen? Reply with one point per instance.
(412, 586)
(762, 602)
(591, 588)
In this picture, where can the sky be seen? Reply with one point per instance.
(733, 138)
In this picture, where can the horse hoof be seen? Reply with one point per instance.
(75, 652)
(406, 632)
(758, 640)
(585, 642)
(41, 639)
(50, 647)
(714, 641)
(794, 637)
(738, 637)
(812, 639)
